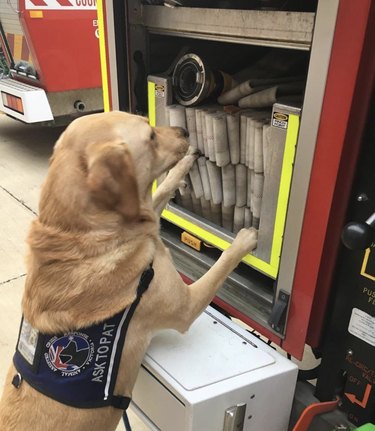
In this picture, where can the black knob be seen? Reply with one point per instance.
(359, 236)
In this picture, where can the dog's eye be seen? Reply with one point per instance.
(153, 135)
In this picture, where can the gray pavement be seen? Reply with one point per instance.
(24, 153)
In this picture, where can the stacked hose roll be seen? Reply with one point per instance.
(263, 93)
(225, 184)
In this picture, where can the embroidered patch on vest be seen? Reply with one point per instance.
(69, 354)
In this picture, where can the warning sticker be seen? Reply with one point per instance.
(279, 119)
(159, 90)
(60, 4)
(362, 326)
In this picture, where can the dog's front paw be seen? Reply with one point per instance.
(195, 152)
(182, 168)
(246, 240)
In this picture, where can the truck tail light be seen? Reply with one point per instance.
(12, 102)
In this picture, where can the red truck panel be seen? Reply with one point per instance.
(313, 275)
(63, 40)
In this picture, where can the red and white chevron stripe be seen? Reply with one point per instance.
(60, 4)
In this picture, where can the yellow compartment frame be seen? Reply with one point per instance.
(270, 268)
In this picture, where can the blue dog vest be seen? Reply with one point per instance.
(77, 368)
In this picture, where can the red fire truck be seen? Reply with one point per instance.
(311, 279)
(50, 69)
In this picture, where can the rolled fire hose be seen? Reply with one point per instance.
(196, 180)
(238, 218)
(233, 127)
(214, 177)
(250, 186)
(230, 196)
(243, 137)
(248, 219)
(216, 213)
(236, 93)
(249, 151)
(269, 96)
(210, 137)
(227, 217)
(197, 207)
(204, 178)
(229, 185)
(198, 121)
(221, 140)
(191, 126)
(187, 201)
(250, 86)
(204, 133)
(241, 185)
(206, 208)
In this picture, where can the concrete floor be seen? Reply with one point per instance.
(24, 154)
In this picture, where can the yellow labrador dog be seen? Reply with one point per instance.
(90, 254)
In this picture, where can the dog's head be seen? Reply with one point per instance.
(108, 162)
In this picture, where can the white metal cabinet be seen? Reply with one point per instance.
(188, 382)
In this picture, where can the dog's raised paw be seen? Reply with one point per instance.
(246, 240)
(193, 151)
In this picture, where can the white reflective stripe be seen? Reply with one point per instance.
(112, 360)
(60, 4)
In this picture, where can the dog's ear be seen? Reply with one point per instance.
(111, 178)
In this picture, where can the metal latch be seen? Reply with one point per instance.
(277, 318)
(234, 418)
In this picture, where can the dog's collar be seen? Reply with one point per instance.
(78, 368)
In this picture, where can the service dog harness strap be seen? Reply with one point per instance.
(77, 368)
